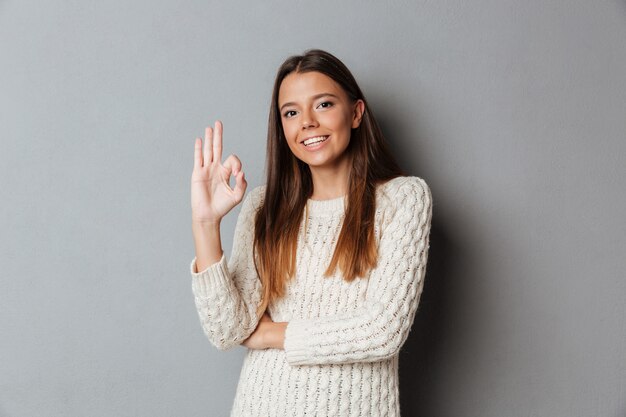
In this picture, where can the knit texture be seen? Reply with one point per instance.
(343, 338)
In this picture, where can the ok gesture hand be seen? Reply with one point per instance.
(211, 195)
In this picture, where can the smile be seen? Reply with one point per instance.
(314, 140)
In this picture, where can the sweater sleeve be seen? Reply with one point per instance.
(227, 294)
(379, 328)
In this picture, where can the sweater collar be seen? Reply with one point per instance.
(326, 207)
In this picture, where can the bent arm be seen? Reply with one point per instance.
(226, 294)
(378, 329)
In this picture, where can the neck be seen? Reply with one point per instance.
(330, 182)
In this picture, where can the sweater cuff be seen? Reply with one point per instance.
(215, 276)
(295, 345)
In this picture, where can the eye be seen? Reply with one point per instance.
(288, 113)
(329, 104)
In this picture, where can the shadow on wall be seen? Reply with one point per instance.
(442, 312)
(421, 355)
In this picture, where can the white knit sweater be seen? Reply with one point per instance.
(343, 338)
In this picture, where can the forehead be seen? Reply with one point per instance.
(301, 86)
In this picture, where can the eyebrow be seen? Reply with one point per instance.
(315, 97)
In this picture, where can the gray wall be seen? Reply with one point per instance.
(514, 113)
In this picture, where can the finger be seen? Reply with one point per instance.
(208, 146)
(240, 186)
(233, 164)
(197, 154)
(217, 141)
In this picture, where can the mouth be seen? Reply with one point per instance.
(314, 140)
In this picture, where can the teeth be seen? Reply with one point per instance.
(315, 140)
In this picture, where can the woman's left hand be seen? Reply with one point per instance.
(257, 339)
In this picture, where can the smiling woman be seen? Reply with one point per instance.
(329, 255)
(317, 120)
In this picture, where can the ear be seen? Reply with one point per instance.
(359, 109)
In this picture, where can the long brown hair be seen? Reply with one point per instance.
(289, 185)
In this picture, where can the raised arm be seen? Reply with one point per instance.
(211, 195)
(380, 327)
(226, 294)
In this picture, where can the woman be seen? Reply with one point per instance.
(328, 257)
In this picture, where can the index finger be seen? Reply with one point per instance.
(217, 141)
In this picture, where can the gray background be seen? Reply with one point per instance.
(513, 112)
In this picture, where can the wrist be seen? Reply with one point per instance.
(205, 223)
(274, 334)
(207, 242)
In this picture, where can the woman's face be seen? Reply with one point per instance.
(317, 117)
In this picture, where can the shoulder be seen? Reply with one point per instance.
(254, 198)
(258, 193)
(404, 201)
(404, 191)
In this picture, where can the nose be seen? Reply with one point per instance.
(308, 120)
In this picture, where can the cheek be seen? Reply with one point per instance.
(341, 121)
(288, 132)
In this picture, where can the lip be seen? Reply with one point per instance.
(312, 136)
(316, 147)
